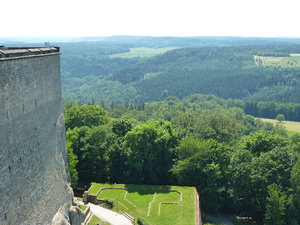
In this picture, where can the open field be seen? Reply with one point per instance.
(291, 127)
(145, 201)
(291, 61)
(142, 52)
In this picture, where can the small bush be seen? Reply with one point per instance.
(140, 221)
(107, 203)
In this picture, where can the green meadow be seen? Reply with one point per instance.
(96, 221)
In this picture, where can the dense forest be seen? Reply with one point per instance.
(263, 73)
(239, 164)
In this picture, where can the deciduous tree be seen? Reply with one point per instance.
(151, 151)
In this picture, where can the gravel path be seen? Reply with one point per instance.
(109, 216)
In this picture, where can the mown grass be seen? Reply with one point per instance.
(139, 197)
(95, 220)
(83, 207)
(142, 52)
(95, 187)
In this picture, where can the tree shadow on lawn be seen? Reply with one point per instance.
(147, 189)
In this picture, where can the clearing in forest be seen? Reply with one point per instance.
(142, 52)
(292, 61)
(292, 127)
(157, 205)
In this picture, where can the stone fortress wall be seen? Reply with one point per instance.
(34, 183)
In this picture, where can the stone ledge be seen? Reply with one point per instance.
(7, 53)
(28, 56)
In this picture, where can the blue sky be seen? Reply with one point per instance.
(248, 18)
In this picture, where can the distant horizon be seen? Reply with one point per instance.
(41, 39)
(129, 35)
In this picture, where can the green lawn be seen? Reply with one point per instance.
(83, 207)
(138, 198)
(95, 220)
(142, 52)
(95, 187)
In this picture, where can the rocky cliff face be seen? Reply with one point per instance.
(34, 182)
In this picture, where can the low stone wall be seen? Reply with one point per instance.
(87, 211)
(113, 188)
(198, 219)
(88, 215)
(92, 199)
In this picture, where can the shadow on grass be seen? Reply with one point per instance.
(147, 189)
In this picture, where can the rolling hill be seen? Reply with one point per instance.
(148, 74)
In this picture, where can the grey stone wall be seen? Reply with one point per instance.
(33, 178)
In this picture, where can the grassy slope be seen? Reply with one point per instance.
(186, 72)
(291, 127)
(141, 195)
(142, 52)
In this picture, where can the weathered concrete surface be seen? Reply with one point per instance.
(34, 184)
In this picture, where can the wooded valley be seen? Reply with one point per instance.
(185, 111)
